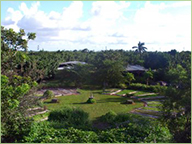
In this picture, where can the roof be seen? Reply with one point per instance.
(72, 62)
(135, 68)
(69, 64)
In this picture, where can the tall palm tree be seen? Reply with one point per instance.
(140, 48)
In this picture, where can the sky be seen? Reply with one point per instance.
(101, 25)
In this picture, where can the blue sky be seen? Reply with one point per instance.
(68, 25)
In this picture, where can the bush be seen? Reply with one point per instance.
(91, 101)
(69, 117)
(136, 133)
(108, 117)
(122, 86)
(48, 94)
(43, 133)
(144, 87)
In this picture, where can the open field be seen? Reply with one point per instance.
(104, 104)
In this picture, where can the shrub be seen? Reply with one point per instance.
(136, 133)
(48, 94)
(144, 87)
(69, 117)
(43, 133)
(137, 130)
(122, 86)
(108, 117)
(91, 101)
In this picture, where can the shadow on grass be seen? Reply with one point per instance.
(80, 103)
(111, 100)
(49, 102)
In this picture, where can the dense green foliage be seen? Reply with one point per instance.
(177, 108)
(133, 132)
(91, 101)
(16, 85)
(48, 94)
(15, 99)
(70, 117)
(108, 117)
(44, 133)
(144, 87)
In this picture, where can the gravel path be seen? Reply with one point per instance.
(113, 93)
(146, 115)
(59, 91)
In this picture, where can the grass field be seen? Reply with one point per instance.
(104, 104)
(135, 94)
(40, 116)
(151, 108)
(154, 103)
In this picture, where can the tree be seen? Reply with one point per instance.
(109, 73)
(177, 76)
(177, 106)
(140, 48)
(148, 75)
(15, 40)
(176, 113)
(80, 74)
(15, 100)
(15, 90)
(129, 77)
(11, 42)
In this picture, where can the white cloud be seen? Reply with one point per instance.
(158, 25)
(152, 24)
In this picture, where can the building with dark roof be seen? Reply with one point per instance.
(136, 69)
(69, 64)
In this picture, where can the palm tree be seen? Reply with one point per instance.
(140, 48)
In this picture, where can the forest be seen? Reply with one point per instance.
(24, 72)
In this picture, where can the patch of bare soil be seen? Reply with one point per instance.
(59, 91)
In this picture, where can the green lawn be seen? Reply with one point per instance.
(140, 92)
(40, 116)
(129, 90)
(104, 104)
(151, 108)
(154, 103)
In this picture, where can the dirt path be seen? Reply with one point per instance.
(146, 115)
(145, 101)
(146, 94)
(59, 91)
(113, 93)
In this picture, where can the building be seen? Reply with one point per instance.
(69, 65)
(136, 69)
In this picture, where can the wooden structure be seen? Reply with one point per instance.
(54, 101)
